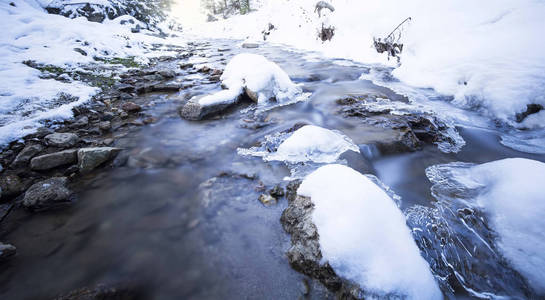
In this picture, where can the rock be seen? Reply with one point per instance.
(62, 140)
(249, 45)
(321, 5)
(530, 109)
(251, 94)
(186, 65)
(80, 51)
(167, 73)
(7, 250)
(47, 194)
(135, 29)
(125, 88)
(192, 110)
(105, 125)
(277, 191)
(53, 160)
(90, 158)
(81, 122)
(104, 292)
(131, 107)
(304, 254)
(26, 154)
(267, 200)
(11, 186)
(167, 87)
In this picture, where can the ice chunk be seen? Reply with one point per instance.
(364, 237)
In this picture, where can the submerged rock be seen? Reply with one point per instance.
(62, 140)
(90, 158)
(53, 160)
(267, 200)
(47, 194)
(7, 250)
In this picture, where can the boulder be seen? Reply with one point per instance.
(131, 107)
(53, 160)
(90, 158)
(192, 110)
(249, 45)
(26, 155)
(62, 140)
(7, 250)
(47, 194)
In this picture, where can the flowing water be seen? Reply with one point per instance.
(182, 219)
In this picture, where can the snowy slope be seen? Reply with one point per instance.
(487, 54)
(30, 34)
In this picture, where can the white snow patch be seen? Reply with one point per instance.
(313, 143)
(258, 74)
(514, 200)
(487, 54)
(364, 237)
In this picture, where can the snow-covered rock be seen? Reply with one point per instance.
(363, 235)
(511, 194)
(313, 143)
(255, 76)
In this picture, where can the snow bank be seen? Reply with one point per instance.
(512, 195)
(257, 74)
(313, 143)
(488, 54)
(29, 33)
(364, 237)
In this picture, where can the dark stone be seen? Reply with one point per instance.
(277, 191)
(104, 292)
(62, 140)
(11, 186)
(47, 194)
(131, 107)
(23, 158)
(90, 158)
(7, 251)
(80, 51)
(53, 160)
(167, 87)
(530, 109)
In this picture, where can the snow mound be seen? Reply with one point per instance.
(254, 74)
(309, 143)
(364, 237)
(512, 196)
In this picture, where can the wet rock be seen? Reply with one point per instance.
(530, 109)
(47, 194)
(186, 65)
(125, 88)
(192, 110)
(53, 160)
(267, 200)
(167, 73)
(62, 140)
(167, 87)
(7, 250)
(403, 141)
(81, 122)
(105, 125)
(251, 94)
(23, 158)
(90, 158)
(103, 292)
(305, 255)
(131, 107)
(11, 186)
(277, 191)
(249, 45)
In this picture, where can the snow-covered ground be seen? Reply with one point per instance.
(370, 244)
(487, 54)
(29, 33)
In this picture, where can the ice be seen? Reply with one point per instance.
(487, 217)
(364, 237)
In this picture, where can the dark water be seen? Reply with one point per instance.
(182, 219)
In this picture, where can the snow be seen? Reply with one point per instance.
(258, 74)
(512, 196)
(487, 54)
(364, 237)
(313, 143)
(29, 33)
